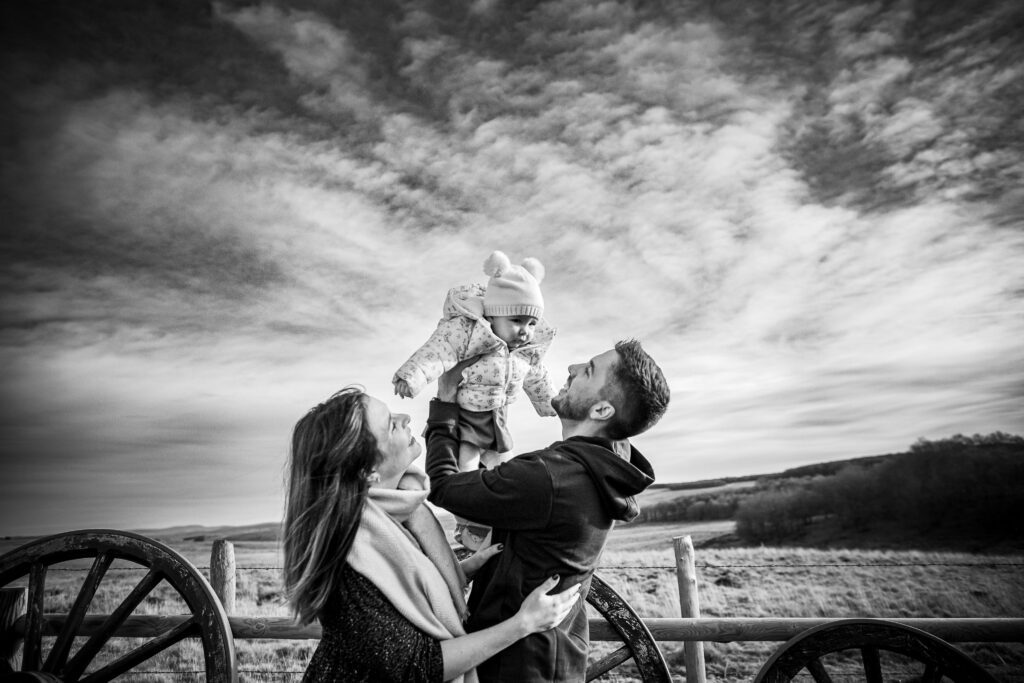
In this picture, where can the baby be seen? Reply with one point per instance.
(503, 324)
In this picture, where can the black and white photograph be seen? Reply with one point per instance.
(522, 340)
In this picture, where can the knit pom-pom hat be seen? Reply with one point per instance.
(513, 290)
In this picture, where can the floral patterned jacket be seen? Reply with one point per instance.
(495, 379)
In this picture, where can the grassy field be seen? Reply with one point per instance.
(767, 582)
(639, 564)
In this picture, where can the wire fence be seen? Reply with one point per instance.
(777, 565)
(289, 673)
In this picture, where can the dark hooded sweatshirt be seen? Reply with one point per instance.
(552, 509)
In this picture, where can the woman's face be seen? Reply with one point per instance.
(397, 446)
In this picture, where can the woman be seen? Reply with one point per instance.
(370, 561)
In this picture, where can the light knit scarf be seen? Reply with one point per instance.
(402, 549)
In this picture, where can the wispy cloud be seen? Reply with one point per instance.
(812, 229)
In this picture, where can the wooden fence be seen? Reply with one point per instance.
(690, 628)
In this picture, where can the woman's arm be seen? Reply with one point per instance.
(539, 612)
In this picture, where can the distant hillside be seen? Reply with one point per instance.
(760, 501)
(956, 493)
(828, 469)
(268, 531)
(257, 533)
(815, 469)
(719, 498)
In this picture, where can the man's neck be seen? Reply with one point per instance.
(571, 428)
(622, 447)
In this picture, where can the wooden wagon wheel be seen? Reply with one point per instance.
(207, 621)
(638, 643)
(935, 659)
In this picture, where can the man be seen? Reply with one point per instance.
(551, 509)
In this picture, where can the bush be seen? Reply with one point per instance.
(957, 482)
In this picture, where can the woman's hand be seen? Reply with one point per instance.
(448, 382)
(471, 565)
(541, 611)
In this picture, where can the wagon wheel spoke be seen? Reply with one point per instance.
(206, 622)
(871, 637)
(58, 656)
(818, 672)
(88, 652)
(638, 643)
(34, 617)
(608, 662)
(140, 654)
(872, 664)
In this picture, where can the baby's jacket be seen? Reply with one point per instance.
(494, 380)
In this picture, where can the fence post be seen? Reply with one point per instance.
(222, 573)
(689, 606)
(13, 604)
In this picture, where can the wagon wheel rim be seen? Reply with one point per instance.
(637, 642)
(207, 620)
(941, 661)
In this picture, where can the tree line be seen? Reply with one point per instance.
(959, 481)
(955, 483)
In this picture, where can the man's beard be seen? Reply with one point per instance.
(567, 409)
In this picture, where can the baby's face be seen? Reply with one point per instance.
(514, 330)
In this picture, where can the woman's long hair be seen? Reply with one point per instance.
(333, 452)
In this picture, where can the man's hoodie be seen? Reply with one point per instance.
(552, 509)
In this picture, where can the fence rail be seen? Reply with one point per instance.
(690, 628)
(664, 629)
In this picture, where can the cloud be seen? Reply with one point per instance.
(332, 68)
(821, 254)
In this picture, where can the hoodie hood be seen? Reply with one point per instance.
(618, 480)
(467, 301)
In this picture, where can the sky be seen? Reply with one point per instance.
(215, 216)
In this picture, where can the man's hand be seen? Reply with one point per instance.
(448, 383)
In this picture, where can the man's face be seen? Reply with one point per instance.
(583, 387)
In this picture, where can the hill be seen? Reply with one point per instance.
(961, 493)
(713, 505)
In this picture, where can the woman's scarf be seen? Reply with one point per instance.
(402, 549)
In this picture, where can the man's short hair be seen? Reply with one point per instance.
(638, 391)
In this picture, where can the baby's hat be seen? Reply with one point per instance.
(513, 290)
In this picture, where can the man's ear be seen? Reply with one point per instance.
(601, 411)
